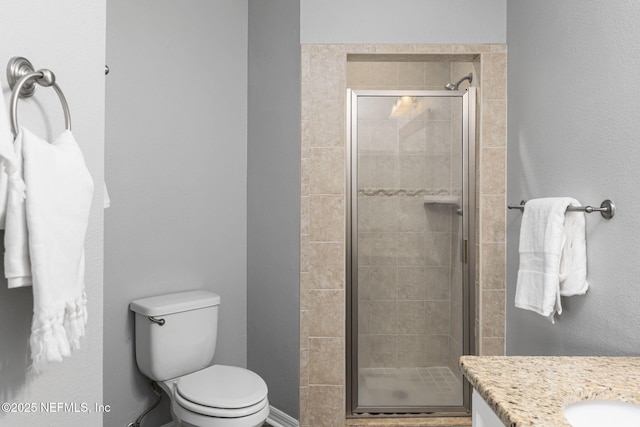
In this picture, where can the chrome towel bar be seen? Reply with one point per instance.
(22, 79)
(607, 208)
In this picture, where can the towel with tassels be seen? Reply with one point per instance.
(59, 190)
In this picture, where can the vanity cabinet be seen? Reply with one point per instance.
(482, 414)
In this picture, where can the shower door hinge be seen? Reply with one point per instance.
(464, 250)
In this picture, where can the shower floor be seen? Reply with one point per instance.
(406, 387)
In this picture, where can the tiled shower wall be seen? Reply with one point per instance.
(408, 249)
(324, 83)
(404, 246)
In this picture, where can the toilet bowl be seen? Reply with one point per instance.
(218, 396)
(174, 349)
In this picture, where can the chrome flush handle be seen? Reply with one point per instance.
(158, 321)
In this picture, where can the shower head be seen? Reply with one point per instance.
(454, 86)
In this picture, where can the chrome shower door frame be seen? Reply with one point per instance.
(468, 245)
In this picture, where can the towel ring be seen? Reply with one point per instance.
(22, 79)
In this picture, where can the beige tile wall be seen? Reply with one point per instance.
(322, 278)
(491, 186)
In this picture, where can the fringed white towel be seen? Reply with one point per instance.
(553, 258)
(57, 204)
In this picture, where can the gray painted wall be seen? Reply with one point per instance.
(273, 227)
(403, 21)
(75, 53)
(574, 130)
(176, 166)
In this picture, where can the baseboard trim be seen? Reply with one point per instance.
(277, 418)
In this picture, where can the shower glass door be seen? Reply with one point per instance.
(411, 203)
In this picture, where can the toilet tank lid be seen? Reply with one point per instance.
(174, 303)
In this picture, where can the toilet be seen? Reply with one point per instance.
(175, 343)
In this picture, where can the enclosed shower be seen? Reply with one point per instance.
(410, 238)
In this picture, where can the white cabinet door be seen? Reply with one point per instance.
(483, 415)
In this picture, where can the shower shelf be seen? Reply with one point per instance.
(442, 200)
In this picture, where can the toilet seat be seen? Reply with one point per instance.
(220, 412)
(222, 391)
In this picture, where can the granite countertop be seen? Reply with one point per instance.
(532, 391)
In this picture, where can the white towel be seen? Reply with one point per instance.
(573, 262)
(58, 199)
(106, 200)
(12, 170)
(17, 267)
(8, 161)
(552, 255)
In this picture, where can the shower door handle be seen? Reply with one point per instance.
(464, 250)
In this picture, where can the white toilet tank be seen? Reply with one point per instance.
(186, 340)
